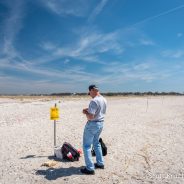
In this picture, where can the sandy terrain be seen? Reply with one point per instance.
(144, 136)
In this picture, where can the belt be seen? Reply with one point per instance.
(97, 121)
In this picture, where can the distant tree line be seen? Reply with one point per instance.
(105, 94)
(143, 93)
(122, 94)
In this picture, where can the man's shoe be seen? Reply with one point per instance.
(86, 171)
(99, 166)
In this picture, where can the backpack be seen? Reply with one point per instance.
(69, 152)
(104, 148)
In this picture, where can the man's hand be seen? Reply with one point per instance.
(88, 115)
(85, 111)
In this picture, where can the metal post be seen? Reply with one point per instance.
(147, 105)
(55, 130)
(54, 133)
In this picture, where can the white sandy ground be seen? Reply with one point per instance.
(144, 136)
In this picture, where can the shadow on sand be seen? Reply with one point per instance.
(32, 156)
(49, 157)
(53, 174)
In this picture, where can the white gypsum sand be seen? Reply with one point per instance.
(144, 136)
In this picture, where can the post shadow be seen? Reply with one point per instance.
(32, 156)
(49, 157)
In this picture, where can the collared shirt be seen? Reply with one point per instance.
(97, 107)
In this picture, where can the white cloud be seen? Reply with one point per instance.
(92, 44)
(97, 10)
(46, 80)
(159, 15)
(179, 35)
(120, 73)
(146, 42)
(178, 54)
(77, 8)
(142, 66)
(31, 86)
(87, 48)
(74, 73)
(173, 53)
(99, 43)
(66, 61)
(12, 26)
(48, 46)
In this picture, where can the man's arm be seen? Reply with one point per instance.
(88, 115)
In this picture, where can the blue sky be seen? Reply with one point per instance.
(51, 46)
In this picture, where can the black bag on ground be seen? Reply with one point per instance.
(104, 148)
(69, 152)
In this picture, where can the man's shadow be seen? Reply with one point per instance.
(54, 173)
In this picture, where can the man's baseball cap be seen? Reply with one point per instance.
(93, 86)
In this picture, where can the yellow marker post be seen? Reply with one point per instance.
(54, 115)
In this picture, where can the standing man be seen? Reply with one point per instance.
(93, 128)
